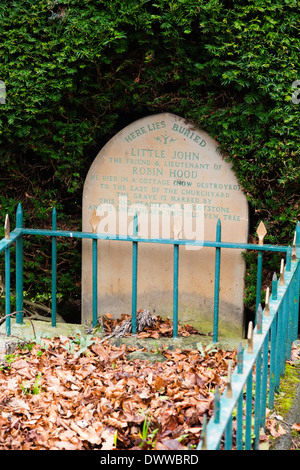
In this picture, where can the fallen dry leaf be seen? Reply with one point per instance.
(276, 431)
(281, 431)
(108, 437)
(169, 444)
(87, 434)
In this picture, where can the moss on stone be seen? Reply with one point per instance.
(288, 387)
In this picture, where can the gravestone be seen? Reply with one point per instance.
(172, 175)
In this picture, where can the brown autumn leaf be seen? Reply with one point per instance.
(169, 444)
(144, 334)
(133, 418)
(159, 383)
(115, 423)
(20, 364)
(64, 445)
(85, 400)
(101, 352)
(281, 431)
(108, 438)
(294, 354)
(108, 315)
(296, 427)
(154, 335)
(276, 431)
(117, 353)
(89, 434)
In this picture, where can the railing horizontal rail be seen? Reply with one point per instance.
(14, 235)
(167, 241)
(275, 327)
(283, 322)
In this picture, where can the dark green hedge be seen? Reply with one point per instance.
(76, 72)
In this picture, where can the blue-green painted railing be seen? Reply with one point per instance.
(16, 236)
(261, 363)
(269, 345)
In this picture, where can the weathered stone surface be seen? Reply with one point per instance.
(44, 329)
(146, 356)
(172, 175)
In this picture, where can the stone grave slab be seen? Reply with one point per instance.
(172, 175)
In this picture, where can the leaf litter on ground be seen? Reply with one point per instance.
(53, 398)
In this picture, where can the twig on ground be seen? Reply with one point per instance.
(144, 320)
(2, 320)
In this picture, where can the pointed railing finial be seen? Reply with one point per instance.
(7, 227)
(288, 263)
(297, 240)
(267, 302)
(177, 227)
(281, 278)
(261, 232)
(19, 216)
(259, 319)
(94, 221)
(250, 337)
(294, 253)
(274, 286)
(229, 381)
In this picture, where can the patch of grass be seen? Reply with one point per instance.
(35, 389)
(8, 359)
(288, 385)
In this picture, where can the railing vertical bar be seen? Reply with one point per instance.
(264, 380)
(95, 281)
(258, 279)
(240, 400)
(228, 435)
(288, 259)
(248, 422)
(7, 278)
(19, 267)
(274, 287)
(54, 270)
(282, 340)
(293, 317)
(282, 311)
(217, 284)
(134, 275)
(286, 328)
(298, 240)
(272, 362)
(175, 289)
(257, 401)
(289, 335)
(7, 291)
(239, 423)
(217, 406)
(278, 348)
(203, 440)
(295, 297)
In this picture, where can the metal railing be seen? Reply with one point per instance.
(16, 236)
(269, 341)
(261, 364)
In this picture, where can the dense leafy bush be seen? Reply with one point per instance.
(77, 72)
